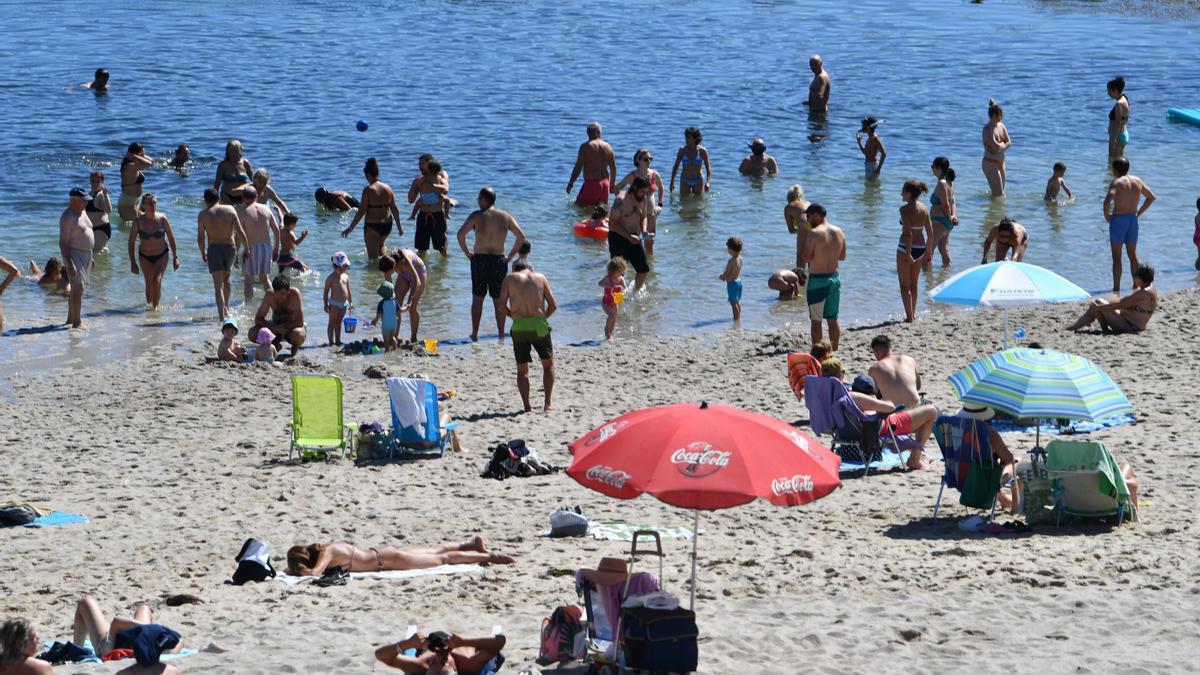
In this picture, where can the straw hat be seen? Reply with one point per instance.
(975, 411)
(610, 571)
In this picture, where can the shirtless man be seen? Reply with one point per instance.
(758, 162)
(489, 263)
(1121, 210)
(787, 282)
(626, 225)
(286, 307)
(219, 225)
(599, 167)
(824, 247)
(896, 377)
(818, 89)
(526, 297)
(262, 241)
(19, 645)
(1130, 314)
(1009, 235)
(443, 653)
(898, 419)
(75, 243)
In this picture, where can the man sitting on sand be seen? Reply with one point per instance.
(526, 297)
(286, 307)
(1130, 314)
(900, 420)
(896, 377)
(443, 653)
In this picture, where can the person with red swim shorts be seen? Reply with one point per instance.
(599, 167)
(900, 420)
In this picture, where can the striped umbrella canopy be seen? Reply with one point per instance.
(1041, 383)
(1005, 284)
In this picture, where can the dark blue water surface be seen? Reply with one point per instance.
(501, 92)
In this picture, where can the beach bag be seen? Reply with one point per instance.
(562, 635)
(979, 488)
(254, 562)
(569, 521)
(17, 515)
(660, 639)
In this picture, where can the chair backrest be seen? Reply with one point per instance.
(963, 441)
(1086, 477)
(831, 409)
(418, 435)
(317, 406)
(602, 601)
(800, 365)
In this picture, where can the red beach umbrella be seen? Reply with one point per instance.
(700, 456)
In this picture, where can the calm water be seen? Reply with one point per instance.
(500, 92)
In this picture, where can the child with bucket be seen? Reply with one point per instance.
(339, 300)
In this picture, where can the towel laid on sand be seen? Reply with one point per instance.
(1075, 426)
(57, 518)
(392, 575)
(616, 530)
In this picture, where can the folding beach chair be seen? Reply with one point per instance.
(1086, 481)
(856, 434)
(801, 365)
(604, 591)
(966, 445)
(411, 436)
(317, 416)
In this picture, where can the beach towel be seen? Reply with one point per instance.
(616, 530)
(1074, 427)
(173, 656)
(392, 575)
(886, 459)
(408, 399)
(57, 518)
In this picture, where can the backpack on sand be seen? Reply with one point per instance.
(254, 562)
(559, 635)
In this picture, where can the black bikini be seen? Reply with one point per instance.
(157, 234)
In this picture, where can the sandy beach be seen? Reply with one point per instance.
(177, 461)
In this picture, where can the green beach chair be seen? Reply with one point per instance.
(317, 416)
(1087, 481)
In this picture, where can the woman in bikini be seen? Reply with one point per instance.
(97, 209)
(314, 559)
(233, 174)
(1118, 118)
(797, 222)
(409, 272)
(132, 164)
(1130, 314)
(378, 207)
(641, 163)
(692, 156)
(91, 624)
(267, 194)
(995, 143)
(916, 230)
(943, 210)
(155, 241)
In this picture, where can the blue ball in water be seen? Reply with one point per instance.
(361, 125)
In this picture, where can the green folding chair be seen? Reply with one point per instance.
(317, 416)
(1087, 481)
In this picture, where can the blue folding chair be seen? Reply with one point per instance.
(426, 439)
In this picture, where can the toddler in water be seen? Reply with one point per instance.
(613, 282)
(266, 349)
(1057, 183)
(338, 299)
(230, 349)
(732, 276)
(388, 312)
(1196, 234)
(599, 216)
(288, 243)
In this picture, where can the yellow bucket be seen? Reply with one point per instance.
(618, 297)
(431, 346)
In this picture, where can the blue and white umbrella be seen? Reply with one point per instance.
(1006, 284)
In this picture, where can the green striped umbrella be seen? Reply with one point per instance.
(1041, 383)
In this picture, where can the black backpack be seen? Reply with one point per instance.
(254, 562)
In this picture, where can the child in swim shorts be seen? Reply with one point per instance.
(732, 276)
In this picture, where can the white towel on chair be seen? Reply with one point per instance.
(408, 400)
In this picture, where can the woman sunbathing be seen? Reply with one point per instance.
(314, 559)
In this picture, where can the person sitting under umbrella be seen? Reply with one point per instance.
(1130, 314)
(916, 420)
(999, 449)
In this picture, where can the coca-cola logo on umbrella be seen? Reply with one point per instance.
(605, 432)
(607, 475)
(791, 485)
(700, 459)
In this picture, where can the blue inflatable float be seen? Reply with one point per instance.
(1189, 115)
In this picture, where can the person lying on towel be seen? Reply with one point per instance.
(314, 559)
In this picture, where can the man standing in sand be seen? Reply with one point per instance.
(1121, 210)
(526, 297)
(599, 167)
(489, 264)
(818, 89)
(262, 241)
(286, 307)
(895, 375)
(824, 247)
(219, 224)
(75, 243)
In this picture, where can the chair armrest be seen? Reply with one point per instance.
(450, 426)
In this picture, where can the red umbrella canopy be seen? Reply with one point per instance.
(700, 456)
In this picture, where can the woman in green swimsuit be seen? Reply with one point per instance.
(233, 174)
(942, 210)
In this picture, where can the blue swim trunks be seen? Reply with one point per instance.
(1123, 229)
(734, 290)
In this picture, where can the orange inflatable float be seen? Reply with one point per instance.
(591, 229)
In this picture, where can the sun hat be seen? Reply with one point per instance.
(265, 336)
(610, 571)
(229, 323)
(386, 290)
(975, 411)
(78, 192)
(340, 259)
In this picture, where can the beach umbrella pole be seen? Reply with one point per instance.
(695, 540)
(1006, 327)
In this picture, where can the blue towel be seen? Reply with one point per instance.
(887, 460)
(1075, 427)
(57, 518)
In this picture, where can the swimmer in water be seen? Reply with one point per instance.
(692, 157)
(133, 164)
(996, 142)
(871, 149)
(1118, 118)
(943, 210)
(641, 163)
(758, 162)
(913, 251)
(1057, 183)
(233, 174)
(183, 155)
